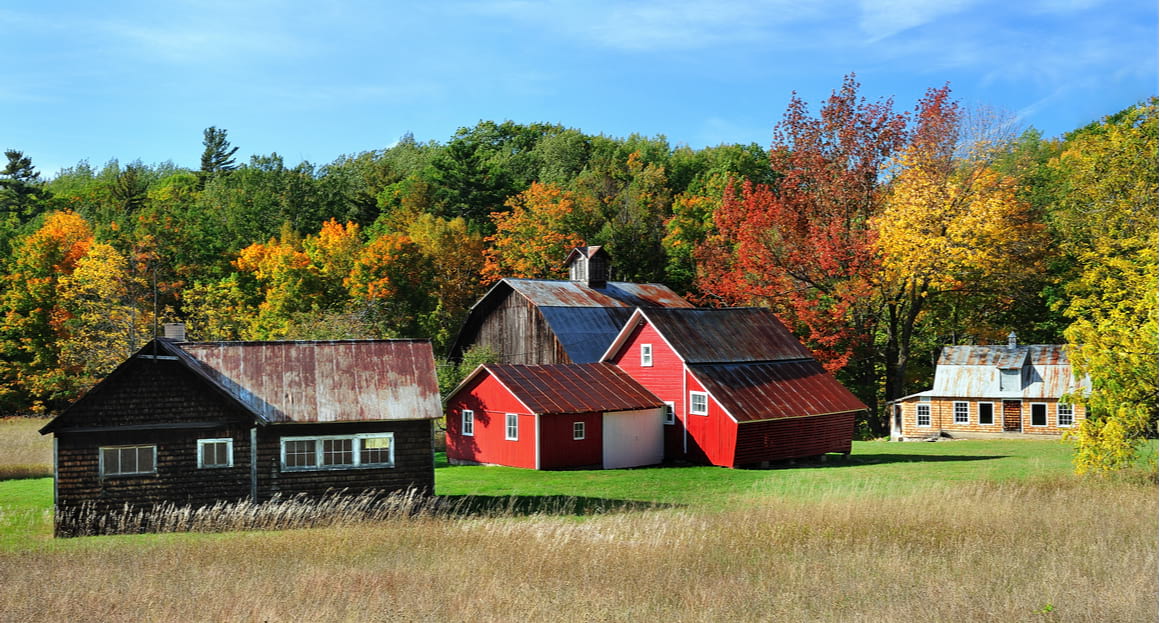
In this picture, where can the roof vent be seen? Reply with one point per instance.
(1011, 341)
(174, 331)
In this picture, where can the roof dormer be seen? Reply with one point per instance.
(589, 266)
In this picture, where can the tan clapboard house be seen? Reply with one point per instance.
(982, 391)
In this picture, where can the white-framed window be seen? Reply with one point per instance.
(212, 453)
(1039, 414)
(338, 451)
(646, 355)
(1064, 415)
(699, 403)
(986, 414)
(962, 413)
(512, 428)
(670, 412)
(128, 460)
(577, 430)
(922, 415)
(468, 428)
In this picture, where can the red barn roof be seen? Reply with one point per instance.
(727, 335)
(753, 392)
(570, 388)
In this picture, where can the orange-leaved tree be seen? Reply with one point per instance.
(532, 240)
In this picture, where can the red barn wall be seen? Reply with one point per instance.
(788, 438)
(558, 449)
(663, 378)
(712, 438)
(491, 403)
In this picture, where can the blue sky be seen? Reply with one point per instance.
(316, 80)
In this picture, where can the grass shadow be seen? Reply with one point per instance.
(552, 505)
(858, 460)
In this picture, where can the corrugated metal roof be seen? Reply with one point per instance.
(982, 381)
(574, 388)
(1002, 356)
(334, 381)
(736, 334)
(545, 293)
(585, 332)
(774, 390)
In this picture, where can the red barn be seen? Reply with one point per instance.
(553, 417)
(740, 389)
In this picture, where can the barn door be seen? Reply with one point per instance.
(1012, 416)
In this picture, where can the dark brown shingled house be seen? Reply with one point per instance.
(198, 423)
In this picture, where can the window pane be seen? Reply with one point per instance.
(375, 450)
(986, 413)
(922, 415)
(111, 459)
(145, 459)
(300, 453)
(1039, 415)
(338, 452)
(128, 460)
(961, 413)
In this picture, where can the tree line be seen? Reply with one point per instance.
(877, 235)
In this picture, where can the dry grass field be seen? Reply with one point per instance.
(1050, 547)
(27, 454)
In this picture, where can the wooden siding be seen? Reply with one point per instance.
(790, 438)
(491, 403)
(712, 438)
(663, 378)
(518, 331)
(942, 417)
(559, 451)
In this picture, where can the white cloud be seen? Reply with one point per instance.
(884, 18)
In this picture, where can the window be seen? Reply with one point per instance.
(646, 355)
(962, 413)
(986, 414)
(698, 403)
(1064, 415)
(468, 428)
(128, 460)
(338, 451)
(512, 432)
(670, 412)
(577, 430)
(215, 453)
(922, 415)
(1038, 414)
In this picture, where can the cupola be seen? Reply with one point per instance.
(589, 266)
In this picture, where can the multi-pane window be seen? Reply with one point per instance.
(645, 355)
(962, 413)
(1038, 414)
(670, 413)
(512, 430)
(215, 453)
(577, 430)
(986, 413)
(338, 451)
(468, 427)
(128, 460)
(922, 415)
(698, 403)
(1064, 415)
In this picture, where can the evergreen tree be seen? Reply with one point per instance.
(218, 156)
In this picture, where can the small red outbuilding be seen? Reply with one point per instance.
(557, 416)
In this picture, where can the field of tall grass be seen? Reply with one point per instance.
(834, 542)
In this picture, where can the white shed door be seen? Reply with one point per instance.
(633, 438)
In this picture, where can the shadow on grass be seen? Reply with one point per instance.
(20, 472)
(856, 460)
(554, 505)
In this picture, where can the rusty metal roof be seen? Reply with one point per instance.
(753, 392)
(736, 334)
(1002, 356)
(332, 381)
(584, 332)
(573, 388)
(545, 293)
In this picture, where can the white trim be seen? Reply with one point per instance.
(356, 448)
(201, 443)
(466, 422)
(1031, 415)
(581, 428)
(929, 419)
(1071, 414)
(101, 460)
(696, 393)
(646, 355)
(955, 411)
(636, 318)
(507, 426)
(722, 406)
(669, 415)
(536, 423)
(979, 416)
